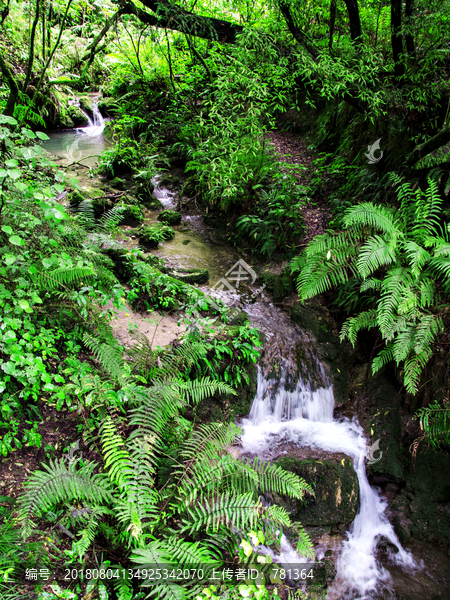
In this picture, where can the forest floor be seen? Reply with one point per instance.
(292, 150)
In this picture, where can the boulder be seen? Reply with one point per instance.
(132, 214)
(149, 237)
(316, 320)
(76, 116)
(189, 275)
(335, 485)
(170, 217)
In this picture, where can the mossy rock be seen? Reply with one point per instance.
(315, 319)
(170, 217)
(153, 204)
(144, 192)
(279, 286)
(190, 275)
(108, 107)
(64, 120)
(76, 115)
(120, 260)
(336, 489)
(118, 184)
(87, 104)
(150, 236)
(132, 214)
(228, 407)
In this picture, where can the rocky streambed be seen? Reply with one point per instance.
(322, 386)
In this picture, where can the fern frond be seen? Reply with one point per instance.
(157, 553)
(111, 219)
(230, 510)
(115, 454)
(351, 327)
(427, 330)
(414, 366)
(435, 423)
(367, 214)
(392, 288)
(370, 284)
(383, 357)
(198, 389)
(428, 210)
(109, 353)
(58, 483)
(304, 546)
(63, 277)
(274, 479)
(375, 253)
(417, 256)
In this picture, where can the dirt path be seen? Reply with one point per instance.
(291, 149)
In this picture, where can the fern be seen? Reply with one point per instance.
(367, 214)
(109, 353)
(61, 482)
(404, 257)
(375, 253)
(435, 423)
(351, 327)
(63, 277)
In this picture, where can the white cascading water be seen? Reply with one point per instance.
(304, 417)
(96, 124)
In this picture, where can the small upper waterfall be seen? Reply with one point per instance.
(304, 417)
(96, 123)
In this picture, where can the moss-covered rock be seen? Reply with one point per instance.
(118, 184)
(150, 236)
(132, 214)
(190, 275)
(379, 414)
(87, 104)
(227, 407)
(422, 508)
(336, 490)
(279, 286)
(108, 107)
(144, 193)
(170, 217)
(75, 114)
(317, 321)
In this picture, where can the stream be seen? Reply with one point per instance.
(290, 409)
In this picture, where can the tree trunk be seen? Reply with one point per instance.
(13, 87)
(409, 37)
(396, 37)
(31, 49)
(298, 33)
(438, 140)
(355, 21)
(333, 6)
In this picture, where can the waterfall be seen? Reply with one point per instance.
(304, 417)
(96, 124)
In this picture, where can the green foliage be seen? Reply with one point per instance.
(205, 492)
(151, 235)
(170, 217)
(435, 424)
(401, 256)
(276, 221)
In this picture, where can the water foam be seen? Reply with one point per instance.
(304, 417)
